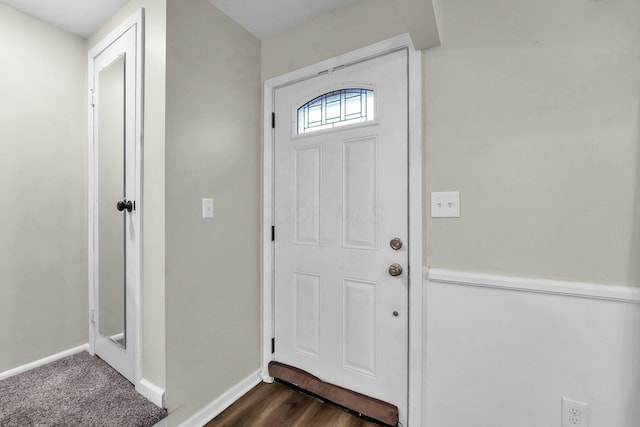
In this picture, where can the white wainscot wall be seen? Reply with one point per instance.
(503, 351)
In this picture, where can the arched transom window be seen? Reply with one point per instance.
(337, 108)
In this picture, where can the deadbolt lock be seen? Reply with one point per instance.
(395, 269)
(395, 243)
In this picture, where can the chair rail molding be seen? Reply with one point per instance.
(543, 286)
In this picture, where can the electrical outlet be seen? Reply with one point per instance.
(574, 414)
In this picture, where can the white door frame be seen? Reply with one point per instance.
(137, 21)
(415, 350)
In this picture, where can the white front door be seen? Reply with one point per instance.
(115, 210)
(341, 197)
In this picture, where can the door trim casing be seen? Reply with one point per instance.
(415, 351)
(135, 20)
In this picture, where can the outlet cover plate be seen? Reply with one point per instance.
(574, 413)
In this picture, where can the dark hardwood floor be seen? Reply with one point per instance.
(276, 405)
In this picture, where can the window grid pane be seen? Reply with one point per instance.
(337, 108)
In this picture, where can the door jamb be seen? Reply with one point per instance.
(416, 341)
(137, 20)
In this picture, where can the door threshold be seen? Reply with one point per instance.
(365, 406)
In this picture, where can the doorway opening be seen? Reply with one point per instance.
(332, 199)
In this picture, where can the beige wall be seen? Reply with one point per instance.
(212, 150)
(153, 292)
(343, 30)
(532, 112)
(43, 196)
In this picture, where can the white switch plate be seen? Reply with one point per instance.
(207, 208)
(445, 204)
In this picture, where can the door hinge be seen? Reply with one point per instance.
(93, 102)
(92, 315)
(273, 120)
(273, 345)
(273, 233)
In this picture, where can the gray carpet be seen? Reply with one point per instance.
(79, 390)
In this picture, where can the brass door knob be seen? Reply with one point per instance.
(395, 269)
(395, 243)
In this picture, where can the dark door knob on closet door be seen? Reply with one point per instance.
(124, 204)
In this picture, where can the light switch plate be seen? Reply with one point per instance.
(445, 204)
(207, 208)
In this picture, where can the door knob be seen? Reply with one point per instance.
(395, 243)
(395, 269)
(124, 204)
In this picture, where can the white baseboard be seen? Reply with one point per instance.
(626, 294)
(162, 423)
(43, 361)
(117, 337)
(151, 391)
(214, 408)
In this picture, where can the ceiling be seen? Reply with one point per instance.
(262, 18)
(80, 17)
